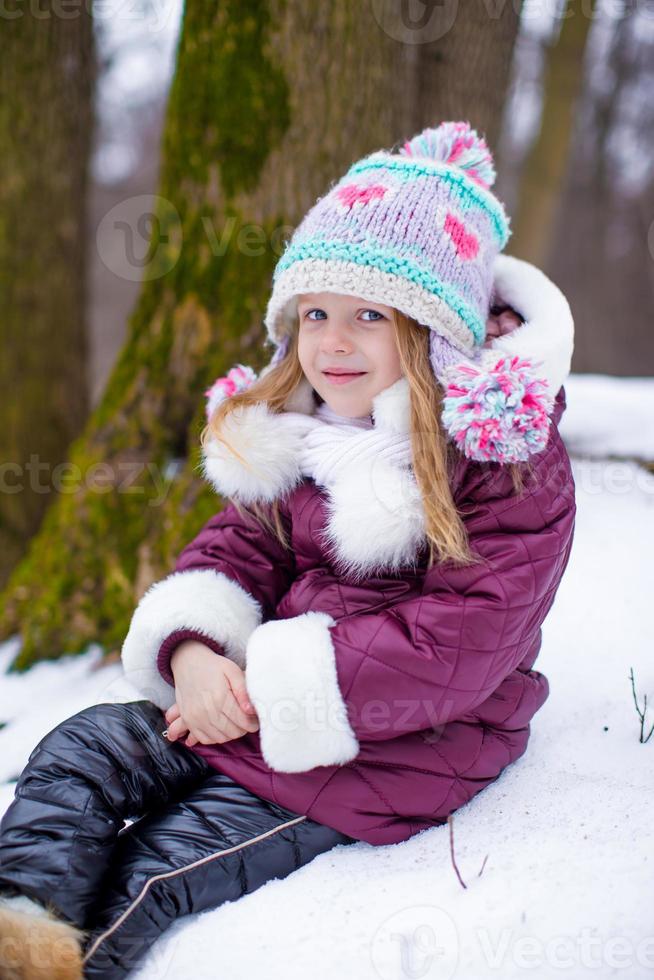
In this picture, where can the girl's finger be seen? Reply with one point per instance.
(234, 720)
(177, 729)
(173, 712)
(240, 694)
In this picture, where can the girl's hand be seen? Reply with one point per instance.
(212, 703)
(501, 320)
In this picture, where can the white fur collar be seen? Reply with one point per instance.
(376, 517)
(367, 495)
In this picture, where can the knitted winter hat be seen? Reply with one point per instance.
(419, 230)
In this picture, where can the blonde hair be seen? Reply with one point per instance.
(434, 454)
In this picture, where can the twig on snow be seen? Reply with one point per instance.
(641, 713)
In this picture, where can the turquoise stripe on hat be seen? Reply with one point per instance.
(387, 261)
(468, 193)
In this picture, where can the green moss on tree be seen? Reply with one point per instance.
(124, 512)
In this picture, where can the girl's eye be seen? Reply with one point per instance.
(376, 315)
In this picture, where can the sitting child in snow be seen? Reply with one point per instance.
(349, 644)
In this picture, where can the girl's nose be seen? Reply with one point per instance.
(336, 336)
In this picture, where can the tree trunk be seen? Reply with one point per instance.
(542, 178)
(271, 102)
(47, 76)
(462, 60)
(605, 236)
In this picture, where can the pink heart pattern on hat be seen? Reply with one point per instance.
(351, 194)
(466, 244)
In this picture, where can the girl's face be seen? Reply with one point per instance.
(350, 334)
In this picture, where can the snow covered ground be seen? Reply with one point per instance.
(567, 887)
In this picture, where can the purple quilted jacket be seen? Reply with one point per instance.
(388, 699)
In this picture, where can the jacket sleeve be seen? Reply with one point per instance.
(321, 686)
(226, 582)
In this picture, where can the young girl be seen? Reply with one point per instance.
(346, 650)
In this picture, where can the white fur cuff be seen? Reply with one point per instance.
(198, 599)
(292, 681)
(23, 903)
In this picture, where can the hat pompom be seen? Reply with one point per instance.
(458, 144)
(499, 412)
(237, 379)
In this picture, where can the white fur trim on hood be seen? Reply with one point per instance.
(547, 335)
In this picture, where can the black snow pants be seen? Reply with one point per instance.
(198, 838)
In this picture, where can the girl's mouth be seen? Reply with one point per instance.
(342, 379)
